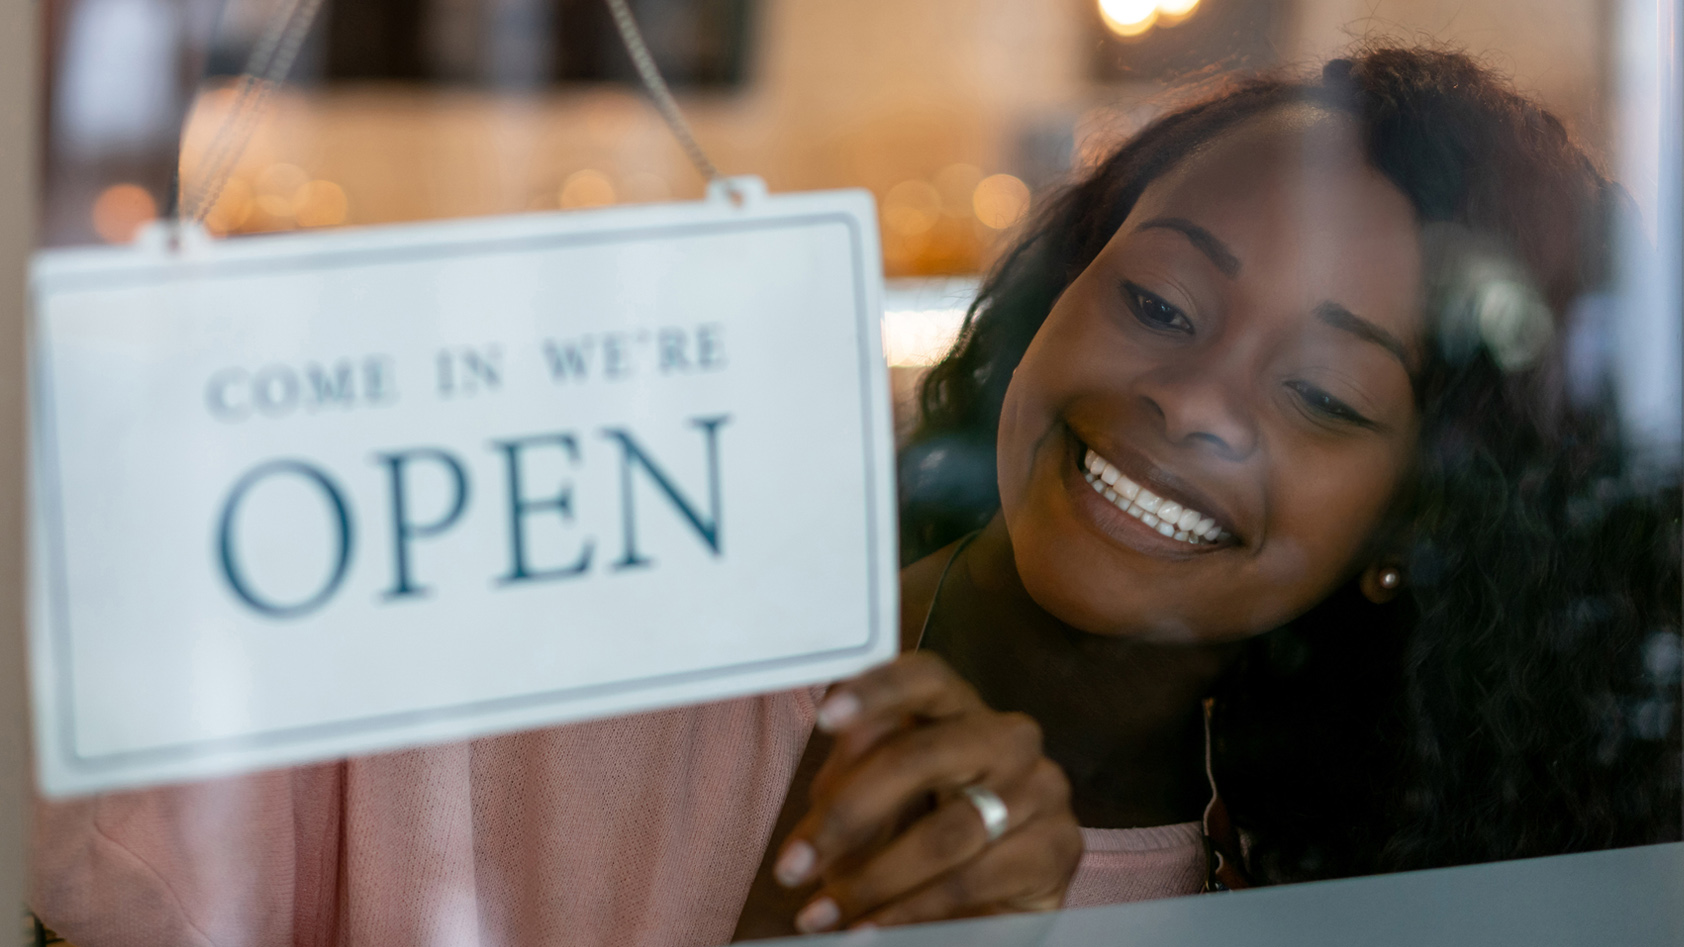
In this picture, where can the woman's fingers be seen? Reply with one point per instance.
(1027, 870)
(890, 833)
(862, 712)
(954, 835)
(917, 685)
(865, 803)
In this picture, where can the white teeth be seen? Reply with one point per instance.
(1166, 516)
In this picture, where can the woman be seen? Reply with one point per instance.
(1256, 312)
(1264, 461)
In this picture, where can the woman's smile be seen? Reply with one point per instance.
(1142, 506)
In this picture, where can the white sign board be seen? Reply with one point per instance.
(313, 495)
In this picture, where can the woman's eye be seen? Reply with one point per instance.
(1151, 309)
(1324, 404)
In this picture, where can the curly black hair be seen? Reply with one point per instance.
(1522, 698)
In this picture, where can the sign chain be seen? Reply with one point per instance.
(278, 47)
(657, 86)
(268, 65)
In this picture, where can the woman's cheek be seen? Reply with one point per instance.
(1025, 418)
(1011, 467)
(1326, 542)
(1287, 583)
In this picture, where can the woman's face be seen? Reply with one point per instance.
(1239, 359)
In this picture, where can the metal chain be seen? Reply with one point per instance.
(273, 56)
(657, 86)
(267, 66)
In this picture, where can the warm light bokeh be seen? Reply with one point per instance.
(277, 188)
(320, 204)
(233, 208)
(1000, 201)
(1128, 17)
(912, 207)
(121, 210)
(950, 222)
(587, 188)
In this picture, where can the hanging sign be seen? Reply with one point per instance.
(312, 495)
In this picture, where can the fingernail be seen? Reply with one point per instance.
(795, 864)
(821, 915)
(838, 711)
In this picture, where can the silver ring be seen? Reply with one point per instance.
(992, 809)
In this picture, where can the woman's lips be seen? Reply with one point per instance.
(1170, 518)
(1139, 521)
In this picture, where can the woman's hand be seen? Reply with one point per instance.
(891, 838)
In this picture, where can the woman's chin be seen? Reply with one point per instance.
(1079, 579)
(1061, 578)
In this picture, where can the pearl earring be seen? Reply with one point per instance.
(1390, 579)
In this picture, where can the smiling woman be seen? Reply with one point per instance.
(1278, 485)
(1210, 352)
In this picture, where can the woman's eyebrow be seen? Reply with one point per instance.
(1201, 238)
(1339, 317)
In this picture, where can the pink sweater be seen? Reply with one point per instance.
(636, 830)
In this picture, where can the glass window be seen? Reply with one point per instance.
(1285, 404)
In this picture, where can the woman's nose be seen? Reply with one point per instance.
(1200, 408)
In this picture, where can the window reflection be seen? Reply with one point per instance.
(1296, 444)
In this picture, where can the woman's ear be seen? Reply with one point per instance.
(1382, 581)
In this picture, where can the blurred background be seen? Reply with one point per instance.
(954, 113)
